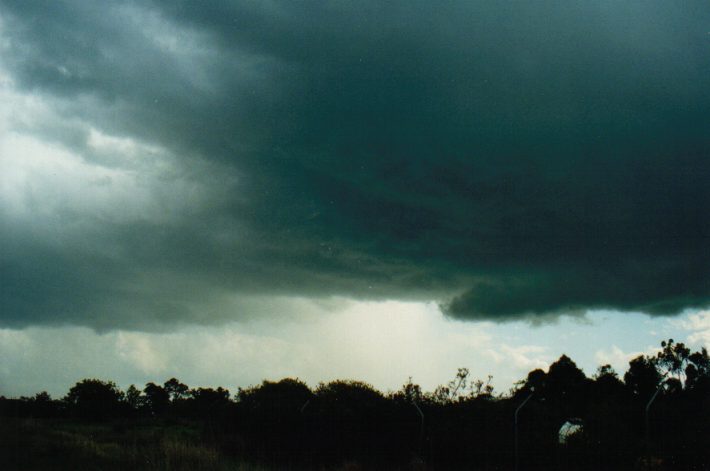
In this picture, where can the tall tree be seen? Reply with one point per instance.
(157, 398)
(176, 390)
(94, 399)
(672, 359)
(642, 377)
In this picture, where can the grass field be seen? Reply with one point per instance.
(29, 444)
(64, 444)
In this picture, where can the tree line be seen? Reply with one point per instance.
(656, 414)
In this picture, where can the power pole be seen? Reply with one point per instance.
(517, 454)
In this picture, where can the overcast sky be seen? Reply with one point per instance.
(338, 189)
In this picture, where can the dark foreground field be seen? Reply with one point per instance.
(61, 444)
(64, 444)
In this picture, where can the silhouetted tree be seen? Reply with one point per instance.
(642, 377)
(564, 380)
(94, 399)
(461, 388)
(351, 417)
(409, 392)
(157, 399)
(176, 390)
(697, 372)
(672, 360)
(41, 405)
(481, 389)
(454, 390)
(134, 398)
(607, 383)
(605, 371)
(535, 381)
(608, 422)
(275, 414)
(208, 402)
(696, 419)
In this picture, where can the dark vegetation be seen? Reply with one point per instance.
(350, 425)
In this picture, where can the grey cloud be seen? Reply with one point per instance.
(504, 159)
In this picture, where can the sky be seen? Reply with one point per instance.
(232, 191)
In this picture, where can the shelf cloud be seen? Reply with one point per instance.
(181, 162)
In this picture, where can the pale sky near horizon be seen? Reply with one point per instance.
(381, 343)
(233, 191)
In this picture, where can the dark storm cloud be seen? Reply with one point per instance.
(506, 159)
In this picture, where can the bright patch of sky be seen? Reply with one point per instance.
(381, 343)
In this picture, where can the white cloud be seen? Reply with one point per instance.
(526, 357)
(616, 357)
(698, 324)
(620, 359)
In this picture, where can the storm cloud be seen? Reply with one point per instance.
(175, 162)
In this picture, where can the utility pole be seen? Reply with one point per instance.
(421, 425)
(421, 429)
(648, 409)
(517, 454)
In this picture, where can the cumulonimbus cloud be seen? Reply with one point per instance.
(505, 160)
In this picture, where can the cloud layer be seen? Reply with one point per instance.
(166, 162)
